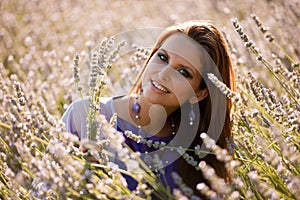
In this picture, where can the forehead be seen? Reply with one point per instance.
(185, 47)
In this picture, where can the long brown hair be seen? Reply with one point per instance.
(211, 39)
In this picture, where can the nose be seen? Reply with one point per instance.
(165, 73)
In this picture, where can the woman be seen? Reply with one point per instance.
(172, 100)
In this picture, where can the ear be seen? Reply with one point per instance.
(200, 94)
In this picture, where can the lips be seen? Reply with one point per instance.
(159, 87)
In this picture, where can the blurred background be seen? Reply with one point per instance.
(40, 38)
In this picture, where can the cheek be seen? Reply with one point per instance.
(183, 90)
(147, 73)
(182, 84)
(151, 68)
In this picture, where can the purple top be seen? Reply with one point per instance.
(75, 121)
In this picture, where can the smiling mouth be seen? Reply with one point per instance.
(159, 87)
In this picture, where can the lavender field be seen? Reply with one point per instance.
(44, 43)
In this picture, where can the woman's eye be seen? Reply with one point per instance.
(184, 73)
(162, 57)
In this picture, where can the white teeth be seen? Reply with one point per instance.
(159, 87)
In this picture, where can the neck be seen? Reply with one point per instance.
(153, 118)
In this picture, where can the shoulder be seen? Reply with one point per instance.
(80, 108)
(75, 117)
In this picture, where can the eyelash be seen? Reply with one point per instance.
(163, 57)
(183, 72)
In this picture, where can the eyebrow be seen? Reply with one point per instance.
(180, 65)
(165, 53)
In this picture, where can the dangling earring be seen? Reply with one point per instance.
(173, 125)
(192, 115)
(136, 107)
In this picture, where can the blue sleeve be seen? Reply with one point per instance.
(75, 117)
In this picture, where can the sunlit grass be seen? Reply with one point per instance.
(39, 160)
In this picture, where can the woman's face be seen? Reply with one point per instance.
(172, 75)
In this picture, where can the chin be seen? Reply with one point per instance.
(152, 99)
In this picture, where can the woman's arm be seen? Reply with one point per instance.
(75, 118)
